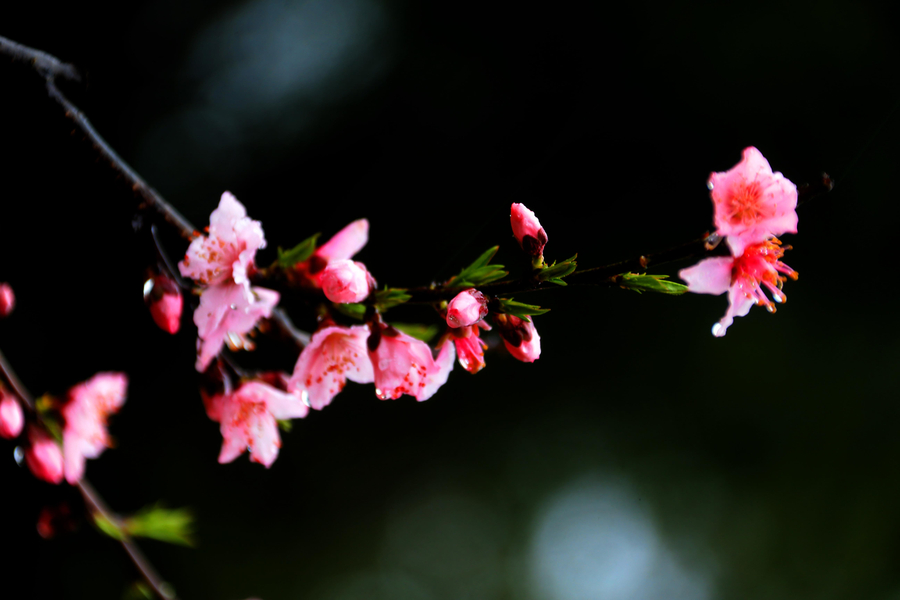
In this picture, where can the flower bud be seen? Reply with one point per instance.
(527, 229)
(467, 308)
(346, 281)
(11, 417)
(7, 299)
(164, 300)
(520, 337)
(44, 456)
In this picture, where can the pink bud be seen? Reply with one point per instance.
(43, 456)
(527, 229)
(467, 308)
(346, 281)
(520, 337)
(7, 299)
(164, 299)
(11, 417)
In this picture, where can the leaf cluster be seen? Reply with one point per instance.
(297, 254)
(519, 309)
(640, 283)
(479, 272)
(555, 272)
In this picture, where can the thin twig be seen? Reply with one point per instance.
(43, 63)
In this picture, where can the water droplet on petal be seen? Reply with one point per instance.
(716, 329)
(233, 307)
(304, 397)
(709, 184)
(148, 287)
(19, 455)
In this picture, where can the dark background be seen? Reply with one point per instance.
(638, 458)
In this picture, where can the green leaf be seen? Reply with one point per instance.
(389, 298)
(558, 271)
(285, 425)
(297, 254)
(138, 591)
(479, 272)
(111, 529)
(421, 332)
(354, 311)
(640, 283)
(521, 310)
(174, 526)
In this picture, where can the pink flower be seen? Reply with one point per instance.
(7, 299)
(162, 296)
(343, 246)
(89, 405)
(469, 347)
(228, 252)
(519, 336)
(752, 203)
(527, 229)
(346, 281)
(11, 417)
(467, 308)
(43, 456)
(404, 365)
(248, 420)
(334, 355)
(743, 278)
(225, 314)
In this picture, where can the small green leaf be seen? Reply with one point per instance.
(285, 425)
(479, 272)
(354, 311)
(138, 591)
(111, 529)
(421, 332)
(640, 282)
(558, 271)
(520, 309)
(297, 254)
(174, 526)
(390, 297)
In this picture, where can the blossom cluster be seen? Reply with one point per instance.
(752, 206)
(222, 264)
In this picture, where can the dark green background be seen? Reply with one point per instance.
(644, 457)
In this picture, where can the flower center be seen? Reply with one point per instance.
(759, 266)
(746, 206)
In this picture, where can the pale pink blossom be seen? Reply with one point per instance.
(43, 456)
(163, 298)
(519, 336)
(226, 314)
(467, 308)
(11, 417)
(743, 278)
(527, 229)
(333, 355)
(752, 203)
(89, 405)
(346, 281)
(342, 246)
(404, 365)
(249, 420)
(7, 299)
(470, 347)
(226, 254)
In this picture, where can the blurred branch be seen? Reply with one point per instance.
(92, 499)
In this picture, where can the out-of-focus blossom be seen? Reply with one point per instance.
(527, 229)
(333, 355)
(404, 365)
(89, 405)
(519, 336)
(752, 203)
(53, 520)
(163, 298)
(226, 314)
(743, 278)
(469, 346)
(467, 308)
(43, 456)
(342, 246)
(346, 281)
(7, 299)
(11, 417)
(226, 254)
(248, 419)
